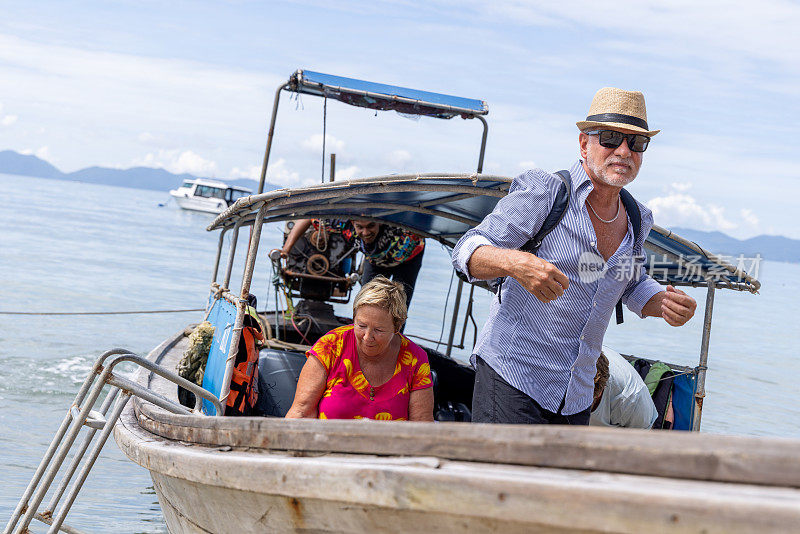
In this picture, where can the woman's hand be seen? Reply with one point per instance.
(310, 387)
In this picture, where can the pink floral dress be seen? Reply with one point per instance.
(348, 395)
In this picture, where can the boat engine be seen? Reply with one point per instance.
(321, 265)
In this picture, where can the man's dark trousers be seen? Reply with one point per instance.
(496, 401)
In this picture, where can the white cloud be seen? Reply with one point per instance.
(399, 158)
(314, 144)
(179, 162)
(681, 186)
(252, 172)
(525, 165)
(7, 120)
(107, 98)
(279, 174)
(749, 217)
(679, 209)
(764, 30)
(44, 153)
(347, 173)
(158, 141)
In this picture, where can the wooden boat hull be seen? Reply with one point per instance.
(264, 474)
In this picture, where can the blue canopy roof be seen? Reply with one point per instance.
(444, 206)
(385, 97)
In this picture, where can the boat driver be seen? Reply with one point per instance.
(535, 357)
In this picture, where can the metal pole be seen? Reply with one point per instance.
(467, 314)
(252, 251)
(87, 466)
(483, 142)
(241, 305)
(54, 444)
(269, 137)
(77, 457)
(333, 166)
(66, 445)
(700, 390)
(219, 254)
(232, 253)
(461, 282)
(324, 134)
(455, 317)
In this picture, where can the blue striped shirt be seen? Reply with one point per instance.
(548, 351)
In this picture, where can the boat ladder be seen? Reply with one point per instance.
(80, 414)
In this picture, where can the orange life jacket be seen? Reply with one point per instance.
(244, 381)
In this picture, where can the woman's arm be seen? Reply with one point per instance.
(310, 387)
(420, 405)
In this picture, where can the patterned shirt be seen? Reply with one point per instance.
(348, 394)
(392, 246)
(548, 351)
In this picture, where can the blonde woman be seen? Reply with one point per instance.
(367, 370)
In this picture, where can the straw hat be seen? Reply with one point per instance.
(615, 108)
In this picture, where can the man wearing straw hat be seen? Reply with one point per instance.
(535, 357)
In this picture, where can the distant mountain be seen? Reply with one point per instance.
(27, 165)
(771, 247)
(137, 177)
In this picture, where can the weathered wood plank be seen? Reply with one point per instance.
(751, 460)
(287, 493)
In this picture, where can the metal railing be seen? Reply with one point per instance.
(80, 414)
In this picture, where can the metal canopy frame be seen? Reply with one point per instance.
(356, 93)
(409, 201)
(377, 96)
(443, 206)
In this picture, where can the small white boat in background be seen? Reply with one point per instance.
(210, 196)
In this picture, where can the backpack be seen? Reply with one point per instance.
(557, 212)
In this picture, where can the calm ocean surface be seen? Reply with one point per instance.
(67, 246)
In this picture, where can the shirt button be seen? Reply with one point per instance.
(594, 304)
(583, 337)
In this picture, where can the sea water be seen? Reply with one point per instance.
(76, 247)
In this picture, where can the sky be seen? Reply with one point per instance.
(189, 87)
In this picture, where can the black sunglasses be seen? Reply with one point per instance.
(613, 138)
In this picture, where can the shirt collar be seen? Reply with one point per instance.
(581, 183)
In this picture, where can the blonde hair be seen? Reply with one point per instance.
(386, 294)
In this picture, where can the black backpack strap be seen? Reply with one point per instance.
(557, 212)
(635, 216)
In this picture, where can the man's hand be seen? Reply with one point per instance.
(540, 277)
(677, 307)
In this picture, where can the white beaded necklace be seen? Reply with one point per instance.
(619, 204)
